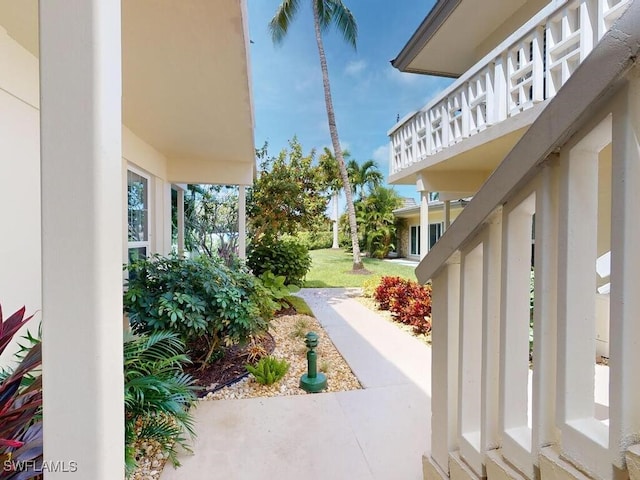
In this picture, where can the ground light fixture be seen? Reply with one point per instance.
(312, 381)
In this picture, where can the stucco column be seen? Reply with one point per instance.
(424, 224)
(242, 222)
(81, 161)
(180, 208)
(336, 214)
(444, 365)
(625, 275)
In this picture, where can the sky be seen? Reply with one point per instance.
(368, 93)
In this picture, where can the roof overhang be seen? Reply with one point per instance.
(446, 42)
(185, 74)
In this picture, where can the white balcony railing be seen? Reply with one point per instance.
(527, 68)
(573, 185)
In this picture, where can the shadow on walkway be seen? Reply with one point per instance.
(380, 432)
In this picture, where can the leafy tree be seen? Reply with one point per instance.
(288, 194)
(326, 13)
(211, 220)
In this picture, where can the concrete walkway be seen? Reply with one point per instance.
(380, 432)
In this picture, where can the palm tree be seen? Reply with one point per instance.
(375, 215)
(365, 176)
(325, 13)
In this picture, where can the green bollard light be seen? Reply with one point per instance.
(312, 381)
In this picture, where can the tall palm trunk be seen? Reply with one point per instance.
(333, 131)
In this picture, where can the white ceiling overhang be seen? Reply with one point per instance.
(446, 41)
(185, 74)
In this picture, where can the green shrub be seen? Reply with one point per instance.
(369, 286)
(285, 257)
(157, 395)
(315, 240)
(200, 299)
(277, 289)
(268, 370)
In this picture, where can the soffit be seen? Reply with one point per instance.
(447, 40)
(185, 75)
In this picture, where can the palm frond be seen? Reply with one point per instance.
(157, 394)
(343, 20)
(279, 24)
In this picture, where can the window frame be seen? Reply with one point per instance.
(414, 241)
(146, 244)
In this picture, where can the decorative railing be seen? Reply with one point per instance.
(563, 201)
(527, 68)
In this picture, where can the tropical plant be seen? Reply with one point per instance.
(268, 370)
(326, 13)
(376, 220)
(158, 395)
(286, 257)
(200, 299)
(369, 286)
(277, 288)
(364, 177)
(20, 405)
(408, 301)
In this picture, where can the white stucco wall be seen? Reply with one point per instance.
(20, 210)
(143, 158)
(20, 270)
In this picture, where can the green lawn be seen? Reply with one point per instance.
(332, 268)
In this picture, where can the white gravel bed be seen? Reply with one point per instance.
(288, 331)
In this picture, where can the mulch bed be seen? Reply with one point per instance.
(228, 369)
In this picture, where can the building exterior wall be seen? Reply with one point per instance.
(402, 238)
(140, 157)
(20, 256)
(436, 215)
(20, 199)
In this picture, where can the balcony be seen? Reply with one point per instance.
(573, 179)
(526, 69)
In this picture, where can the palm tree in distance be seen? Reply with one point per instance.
(364, 177)
(325, 13)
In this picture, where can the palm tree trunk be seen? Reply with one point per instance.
(333, 130)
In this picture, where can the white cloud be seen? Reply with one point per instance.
(355, 67)
(381, 156)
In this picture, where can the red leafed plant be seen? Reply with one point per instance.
(408, 301)
(385, 292)
(20, 406)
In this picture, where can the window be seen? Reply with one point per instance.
(137, 215)
(435, 232)
(415, 240)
